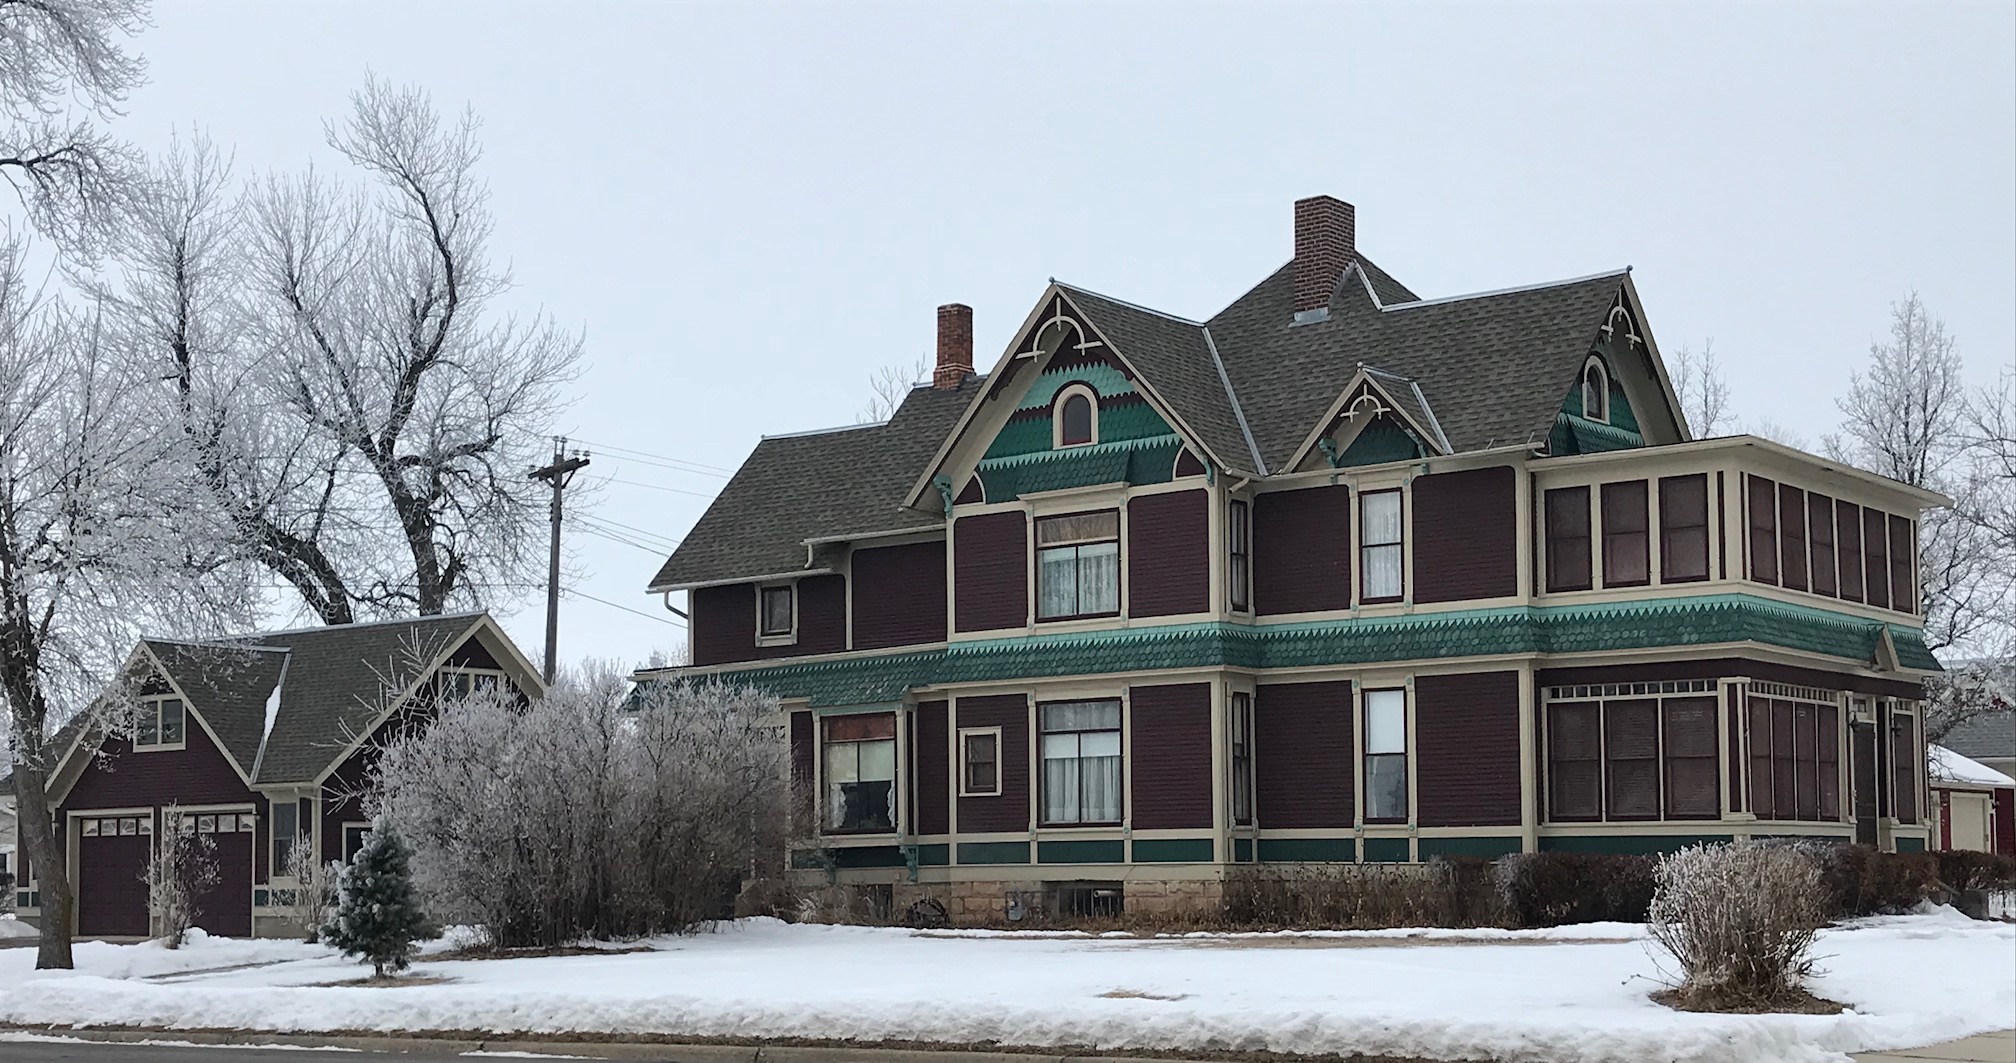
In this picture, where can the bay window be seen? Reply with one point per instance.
(1794, 762)
(1380, 553)
(1078, 566)
(1633, 751)
(1081, 762)
(860, 773)
(1385, 756)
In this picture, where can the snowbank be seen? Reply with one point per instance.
(1911, 980)
(11, 927)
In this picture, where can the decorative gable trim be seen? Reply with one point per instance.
(1378, 386)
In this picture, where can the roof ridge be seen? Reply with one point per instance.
(227, 643)
(312, 628)
(1507, 291)
(827, 431)
(1130, 305)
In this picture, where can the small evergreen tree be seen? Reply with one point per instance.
(378, 915)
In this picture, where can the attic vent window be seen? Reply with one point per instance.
(1596, 391)
(1076, 416)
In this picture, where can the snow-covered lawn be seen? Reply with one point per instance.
(1547, 997)
(11, 927)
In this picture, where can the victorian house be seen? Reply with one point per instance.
(1337, 574)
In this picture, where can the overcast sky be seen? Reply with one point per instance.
(749, 208)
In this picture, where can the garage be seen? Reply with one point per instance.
(225, 909)
(112, 852)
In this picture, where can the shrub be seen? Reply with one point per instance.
(378, 916)
(1555, 888)
(180, 869)
(1966, 869)
(1451, 893)
(1740, 921)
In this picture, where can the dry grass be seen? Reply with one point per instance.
(391, 981)
(1786, 1002)
(492, 952)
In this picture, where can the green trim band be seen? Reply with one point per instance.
(993, 852)
(1308, 850)
(1388, 851)
(1173, 851)
(1488, 848)
(1628, 844)
(1082, 852)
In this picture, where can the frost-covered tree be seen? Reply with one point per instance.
(181, 868)
(889, 386)
(98, 541)
(1704, 393)
(378, 915)
(63, 68)
(595, 811)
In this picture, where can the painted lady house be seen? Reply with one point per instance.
(263, 743)
(1340, 573)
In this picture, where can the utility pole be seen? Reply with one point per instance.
(560, 473)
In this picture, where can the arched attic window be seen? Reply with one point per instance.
(1596, 391)
(1075, 413)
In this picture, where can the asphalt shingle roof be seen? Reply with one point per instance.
(229, 686)
(1992, 736)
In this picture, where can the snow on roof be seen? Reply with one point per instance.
(1948, 766)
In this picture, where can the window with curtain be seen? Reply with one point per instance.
(1385, 756)
(860, 766)
(1081, 762)
(1627, 541)
(1380, 553)
(1078, 565)
(1242, 757)
(1820, 532)
(1763, 507)
(1683, 528)
(1239, 559)
(1568, 545)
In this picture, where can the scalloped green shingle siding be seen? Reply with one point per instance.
(1698, 621)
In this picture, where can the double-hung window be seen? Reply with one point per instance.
(980, 762)
(1385, 756)
(1380, 549)
(161, 724)
(1627, 543)
(776, 613)
(861, 773)
(285, 819)
(1081, 762)
(1078, 565)
(1242, 757)
(1568, 551)
(1239, 555)
(1683, 528)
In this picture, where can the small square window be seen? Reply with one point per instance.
(206, 824)
(90, 827)
(247, 822)
(980, 763)
(774, 618)
(129, 826)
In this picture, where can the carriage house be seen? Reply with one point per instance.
(264, 743)
(1339, 574)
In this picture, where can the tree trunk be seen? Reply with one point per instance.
(45, 849)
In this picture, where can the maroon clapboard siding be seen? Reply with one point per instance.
(1008, 810)
(1302, 755)
(724, 622)
(1171, 746)
(1302, 550)
(1466, 730)
(803, 749)
(1168, 554)
(1466, 535)
(343, 791)
(932, 776)
(899, 595)
(990, 571)
(197, 774)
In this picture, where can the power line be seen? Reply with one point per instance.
(665, 465)
(646, 533)
(656, 487)
(700, 466)
(604, 601)
(655, 551)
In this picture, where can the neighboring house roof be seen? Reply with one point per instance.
(843, 482)
(1992, 735)
(1950, 767)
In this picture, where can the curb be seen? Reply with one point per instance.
(655, 1052)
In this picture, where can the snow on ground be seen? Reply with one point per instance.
(1548, 997)
(11, 927)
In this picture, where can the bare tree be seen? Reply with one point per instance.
(1704, 393)
(1903, 414)
(94, 545)
(889, 386)
(57, 56)
(182, 867)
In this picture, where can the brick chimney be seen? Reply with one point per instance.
(1326, 240)
(955, 346)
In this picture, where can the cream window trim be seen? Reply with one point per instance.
(1065, 394)
(1594, 370)
(786, 638)
(151, 706)
(964, 733)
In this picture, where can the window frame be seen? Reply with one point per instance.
(1669, 528)
(764, 635)
(825, 744)
(1756, 550)
(1076, 389)
(1550, 540)
(1243, 793)
(1366, 755)
(343, 848)
(1820, 538)
(152, 705)
(1596, 701)
(1594, 366)
(472, 675)
(1366, 546)
(965, 761)
(1042, 787)
(276, 865)
(1621, 491)
(1239, 555)
(1036, 583)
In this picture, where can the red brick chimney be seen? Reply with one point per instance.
(1326, 240)
(955, 346)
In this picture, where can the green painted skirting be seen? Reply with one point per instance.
(1387, 851)
(1910, 845)
(1633, 844)
(1111, 852)
(1657, 622)
(1488, 848)
(935, 855)
(852, 857)
(1173, 851)
(1242, 850)
(1312, 850)
(993, 852)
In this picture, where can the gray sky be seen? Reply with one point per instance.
(749, 208)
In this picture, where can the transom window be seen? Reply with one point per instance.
(776, 615)
(1078, 565)
(1385, 756)
(161, 725)
(861, 773)
(1595, 391)
(116, 826)
(1081, 762)
(1076, 416)
(980, 762)
(1380, 559)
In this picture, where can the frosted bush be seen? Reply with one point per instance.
(1740, 921)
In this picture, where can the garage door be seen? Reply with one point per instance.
(112, 856)
(225, 908)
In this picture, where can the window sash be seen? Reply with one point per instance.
(1078, 528)
(1763, 530)
(286, 822)
(1683, 528)
(1568, 539)
(1077, 581)
(1082, 769)
(777, 611)
(1238, 535)
(861, 785)
(1820, 534)
(1075, 420)
(1242, 757)
(980, 763)
(1627, 542)
(1385, 756)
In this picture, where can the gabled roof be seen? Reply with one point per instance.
(1991, 735)
(1946, 766)
(815, 485)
